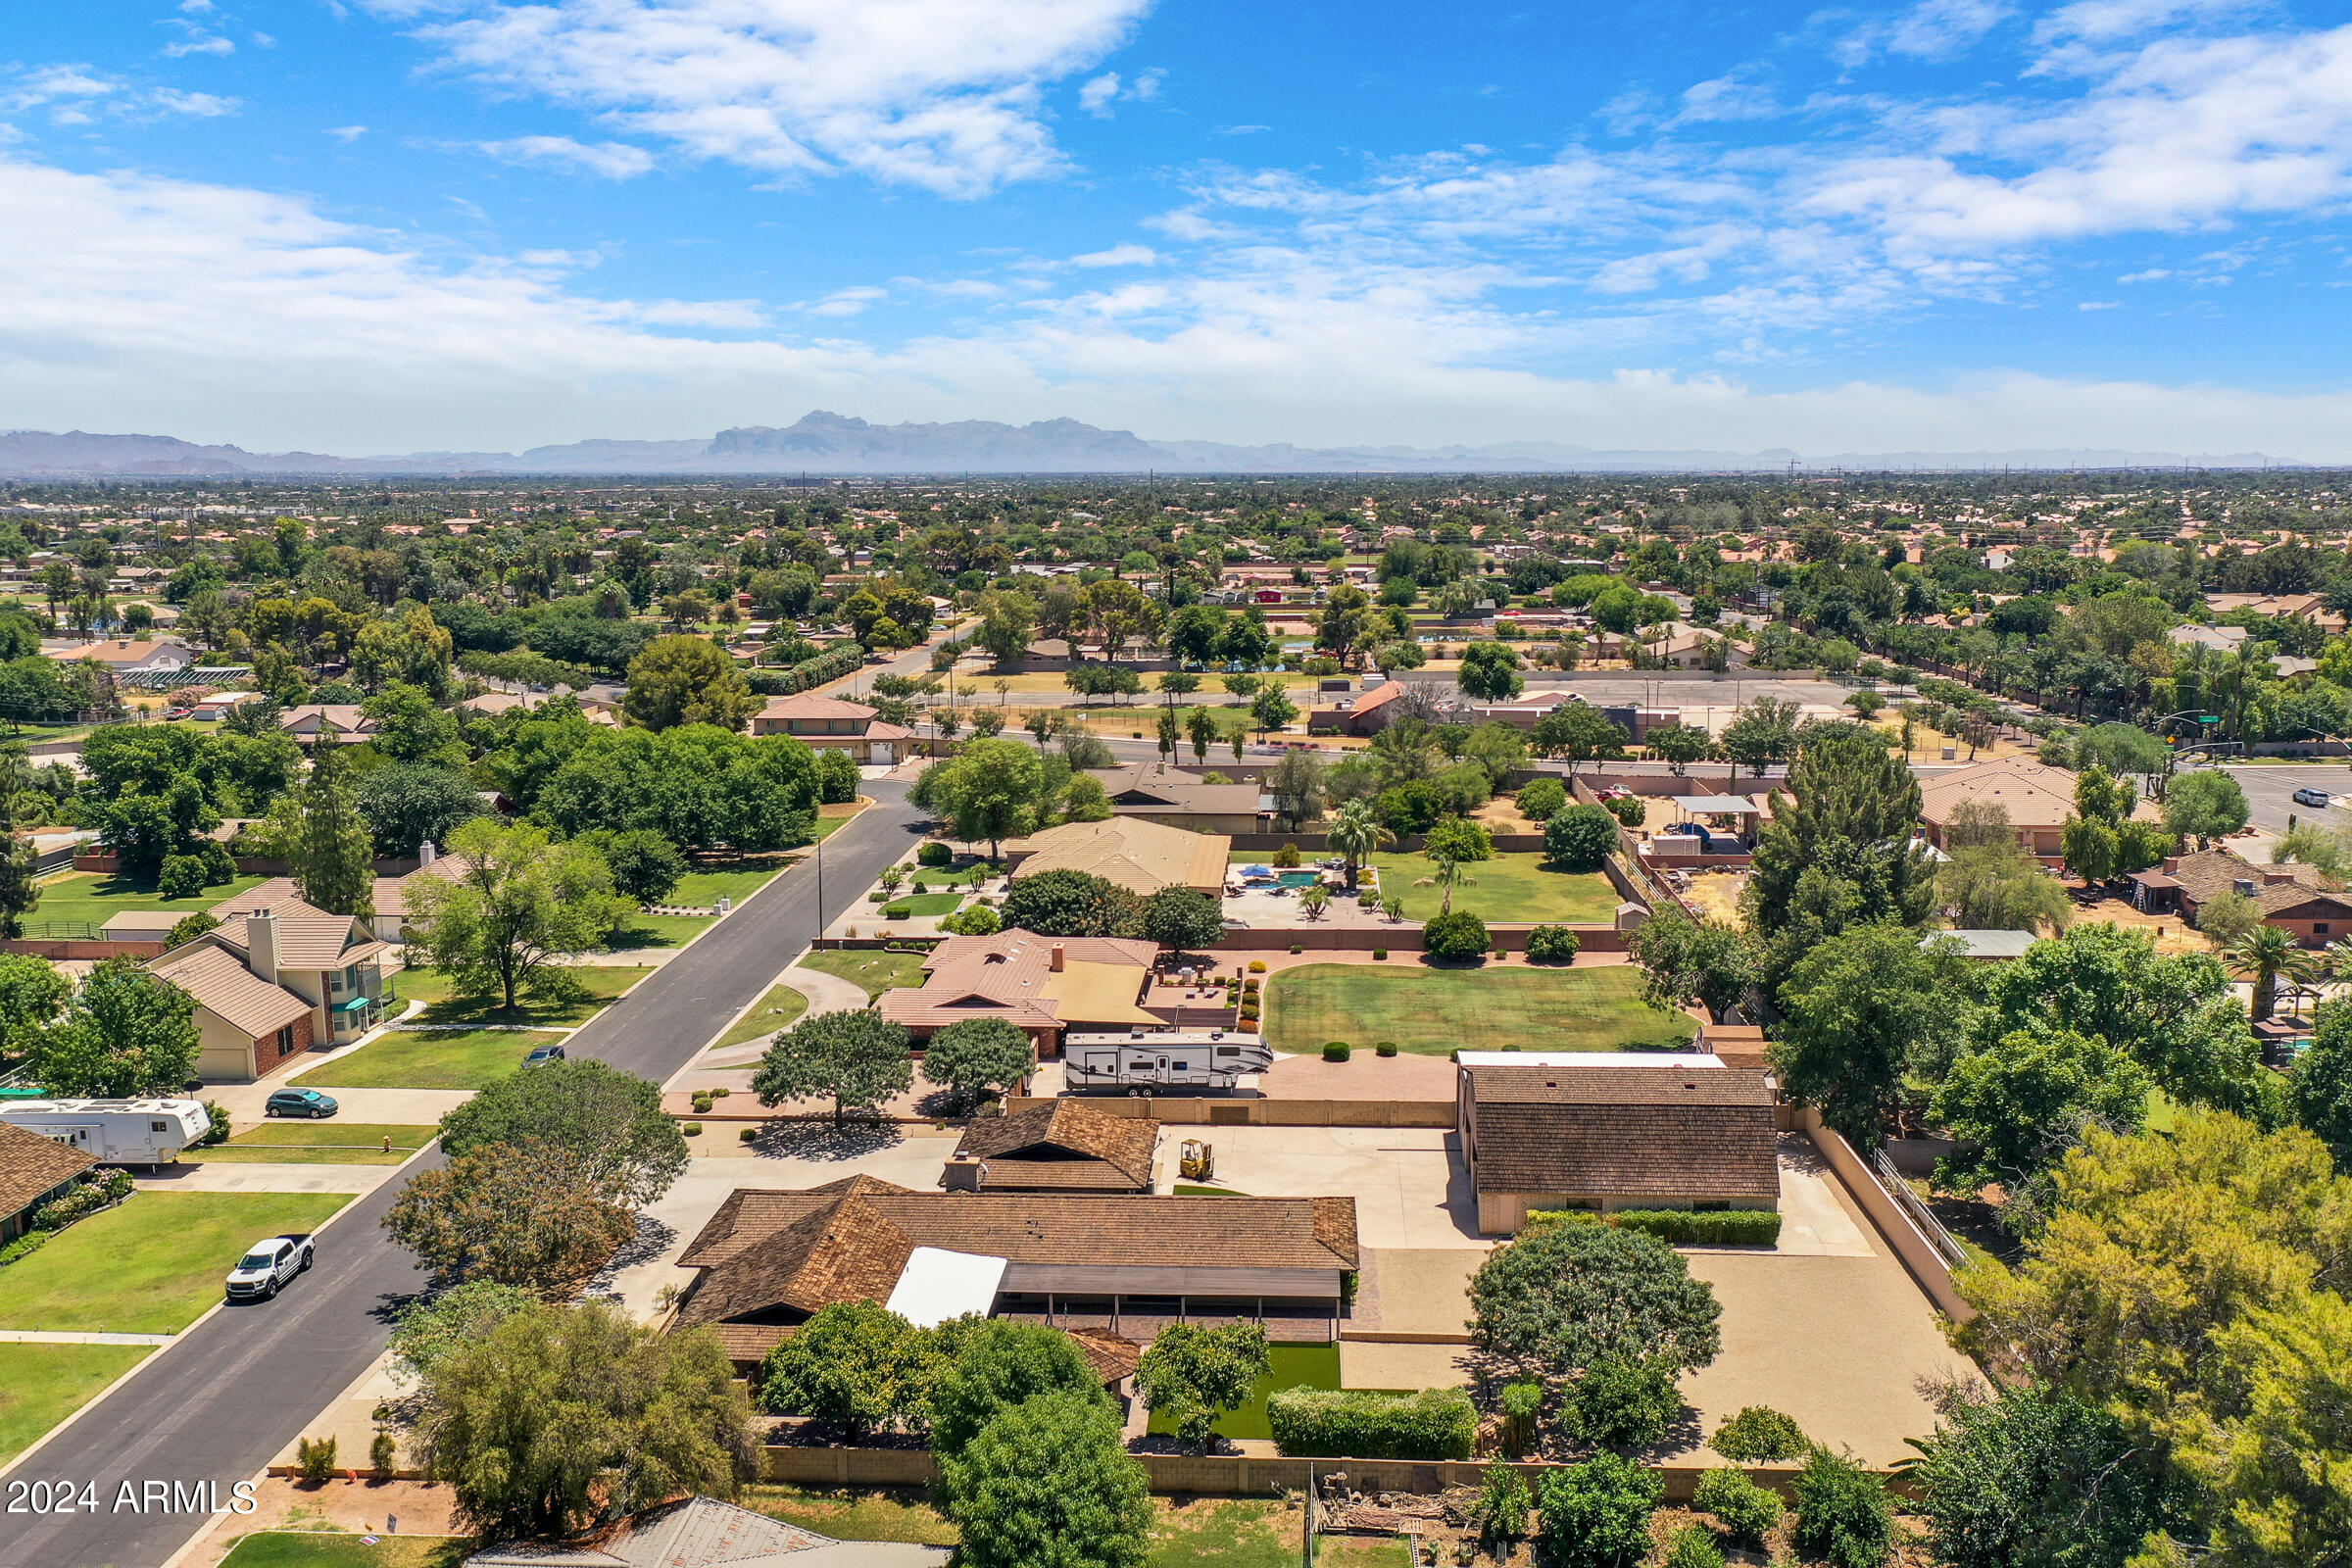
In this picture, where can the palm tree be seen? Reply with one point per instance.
(2268, 954)
(1356, 834)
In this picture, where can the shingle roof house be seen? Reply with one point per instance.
(1066, 1147)
(1140, 855)
(2294, 896)
(1612, 1138)
(778, 1258)
(706, 1533)
(1041, 986)
(33, 1171)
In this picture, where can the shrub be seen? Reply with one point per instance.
(1379, 955)
(1542, 799)
(1693, 1547)
(1597, 1515)
(1580, 838)
(748, 1134)
(1844, 1512)
(182, 877)
(1500, 1511)
(1336, 1050)
(1628, 809)
(702, 1101)
(382, 1454)
(1521, 1403)
(1252, 985)
(218, 1132)
(693, 1129)
(1744, 1509)
(1295, 950)
(1257, 966)
(1359, 1424)
(1458, 936)
(314, 1457)
(1730, 1227)
(920, 887)
(897, 911)
(23, 1245)
(1552, 943)
(1761, 1435)
(1623, 1404)
(935, 854)
(977, 921)
(1386, 1047)
(1287, 858)
(99, 1192)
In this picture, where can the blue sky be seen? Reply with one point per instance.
(387, 225)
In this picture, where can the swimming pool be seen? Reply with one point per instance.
(1298, 879)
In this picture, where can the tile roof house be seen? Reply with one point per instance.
(1614, 1137)
(2037, 799)
(335, 722)
(1176, 799)
(706, 1533)
(1065, 1146)
(125, 656)
(1043, 985)
(1367, 715)
(832, 725)
(34, 1170)
(2296, 897)
(1143, 857)
(776, 1258)
(277, 976)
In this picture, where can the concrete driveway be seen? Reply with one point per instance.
(1408, 1182)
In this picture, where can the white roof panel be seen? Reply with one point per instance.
(937, 1285)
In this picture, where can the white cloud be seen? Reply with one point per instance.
(1938, 29)
(347, 133)
(1096, 97)
(2100, 21)
(2099, 305)
(940, 95)
(77, 95)
(612, 160)
(1119, 255)
(1736, 96)
(200, 44)
(1241, 130)
(2153, 275)
(848, 301)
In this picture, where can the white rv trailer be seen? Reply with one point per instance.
(113, 1132)
(1162, 1060)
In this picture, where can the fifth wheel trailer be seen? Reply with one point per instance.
(1160, 1061)
(113, 1132)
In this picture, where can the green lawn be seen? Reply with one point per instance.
(151, 1264)
(660, 931)
(429, 1058)
(853, 1515)
(876, 970)
(1288, 1366)
(40, 1385)
(325, 1549)
(1517, 888)
(332, 1142)
(924, 904)
(702, 890)
(776, 1010)
(96, 897)
(603, 982)
(1433, 1011)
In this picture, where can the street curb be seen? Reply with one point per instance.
(181, 1336)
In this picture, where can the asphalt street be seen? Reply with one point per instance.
(2270, 790)
(217, 1405)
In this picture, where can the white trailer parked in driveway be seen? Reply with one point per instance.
(1161, 1061)
(113, 1132)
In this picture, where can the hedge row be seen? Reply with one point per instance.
(1359, 1424)
(1722, 1227)
(832, 665)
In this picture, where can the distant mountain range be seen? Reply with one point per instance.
(833, 444)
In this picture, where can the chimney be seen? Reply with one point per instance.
(1053, 960)
(2171, 863)
(2242, 886)
(963, 1174)
(261, 944)
(427, 855)
(2277, 876)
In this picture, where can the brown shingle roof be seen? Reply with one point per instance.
(848, 1240)
(1009, 975)
(1113, 1357)
(1065, 1139)
(221, 985)
(30, 1166)
(1636, 1131)
(2209, 873)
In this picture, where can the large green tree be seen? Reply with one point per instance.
(333, 843)
(1073, 904)
(1190, 1375)
(855, 1060)
(1566, 1293)
(516, 906)
(517, 1214)
(1685, 961)
(605, 1126)
(126, 1034)
(559, 1417)
(997, 1363)
(978, 1057)
(1860, 1010)
(1842, 852)
(688, 681)
(856, 1365)
(2021, 1103)
(993, 790)
(407, 804)
(1046, 1484)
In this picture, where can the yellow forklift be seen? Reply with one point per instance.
(1197, 1162)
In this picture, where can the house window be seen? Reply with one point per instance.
(2319, 928)
(285, 1040)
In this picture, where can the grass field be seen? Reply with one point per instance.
(325, 1549)
(660, 931)
(429, 1058)
(151, 1264)
(603, 982)
(778, 1009)
(702, 890)
(332, 1142)
(855, 1515)
(871, 968)
(1433, 1011)
(1288, 1366)
(98, 896)
(1510, 887)
(924, 904)
(40, 1385)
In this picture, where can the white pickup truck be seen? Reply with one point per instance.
(268, 1266)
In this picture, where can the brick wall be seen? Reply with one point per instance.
(266, 1054)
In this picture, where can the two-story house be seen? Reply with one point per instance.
(277, 978)
(830, 724)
